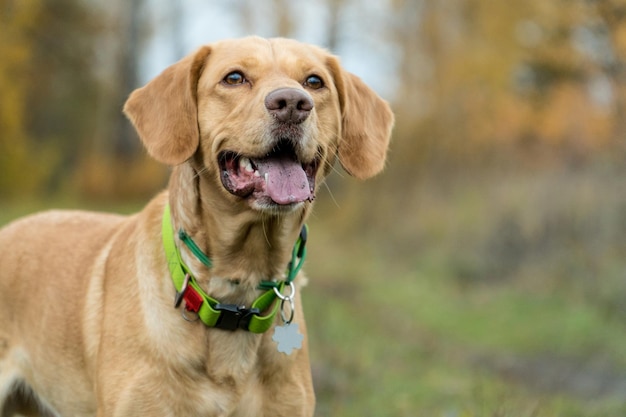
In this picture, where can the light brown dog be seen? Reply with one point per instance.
(87, 319)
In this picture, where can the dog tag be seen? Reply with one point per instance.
(288, 338)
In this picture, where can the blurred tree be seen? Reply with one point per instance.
(17, 20)
(479, 76)
(283, 19)
(114, 164)
(572, 77)
(475, 78)
(119, 44)
(48, 90)
(131, 25)
(613, 16)
(284, 22)
(335, 10)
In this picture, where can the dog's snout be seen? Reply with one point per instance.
(289, 105)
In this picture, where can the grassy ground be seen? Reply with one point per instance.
(481, 297)
(475, 297)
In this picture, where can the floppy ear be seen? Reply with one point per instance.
(367, 121)
(164, 111)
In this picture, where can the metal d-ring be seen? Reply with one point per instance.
(178, 298)
(191, 320)
(292, 309)
(286, 297)
(292, 306)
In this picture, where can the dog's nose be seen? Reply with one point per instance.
(289, 105)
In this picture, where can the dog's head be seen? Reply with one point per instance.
(266, 118)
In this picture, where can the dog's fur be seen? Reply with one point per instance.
(87, 323)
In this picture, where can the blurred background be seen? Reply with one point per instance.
(482, 274)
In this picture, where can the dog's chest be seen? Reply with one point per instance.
(225, 385)
(223, 400)
(243, 392)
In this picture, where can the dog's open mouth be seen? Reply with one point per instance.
(277, 177)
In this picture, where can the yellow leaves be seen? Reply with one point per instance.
(104, 176)
(619, 38)
(18, 19)
(568, 118)
(550, 73)
(19, 160)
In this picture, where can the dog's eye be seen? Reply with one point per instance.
(314, 82)
(234, 78)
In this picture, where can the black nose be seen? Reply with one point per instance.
(289, 105)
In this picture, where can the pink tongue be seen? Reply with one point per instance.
(286, 180)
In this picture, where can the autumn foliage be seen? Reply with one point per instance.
(477, 83)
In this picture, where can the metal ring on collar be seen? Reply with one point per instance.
(292, 310)
(286, 297)
(178, 298)
(190, 319)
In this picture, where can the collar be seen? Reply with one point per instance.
(209, 310)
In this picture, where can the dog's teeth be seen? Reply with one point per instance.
(244, 163)
(257, 173)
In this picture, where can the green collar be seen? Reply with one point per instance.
(210, 311)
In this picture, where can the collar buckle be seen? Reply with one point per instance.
(233, 316)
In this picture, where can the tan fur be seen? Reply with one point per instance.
(86, 315)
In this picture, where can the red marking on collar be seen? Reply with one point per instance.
(193, 300)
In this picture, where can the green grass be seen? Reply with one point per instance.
(406, 343)
(477, 300)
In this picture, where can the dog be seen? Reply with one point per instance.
(103, 315)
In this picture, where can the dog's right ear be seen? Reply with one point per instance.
(164, 111)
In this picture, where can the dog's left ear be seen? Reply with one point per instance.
(367, 121)
(164, 111)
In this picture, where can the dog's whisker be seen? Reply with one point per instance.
(338, 172)
(334, 169)
(263, 226)
(198, 174)
(332, 196)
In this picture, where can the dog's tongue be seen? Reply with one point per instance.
(286, 181)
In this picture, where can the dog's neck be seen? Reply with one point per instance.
(245, 246)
